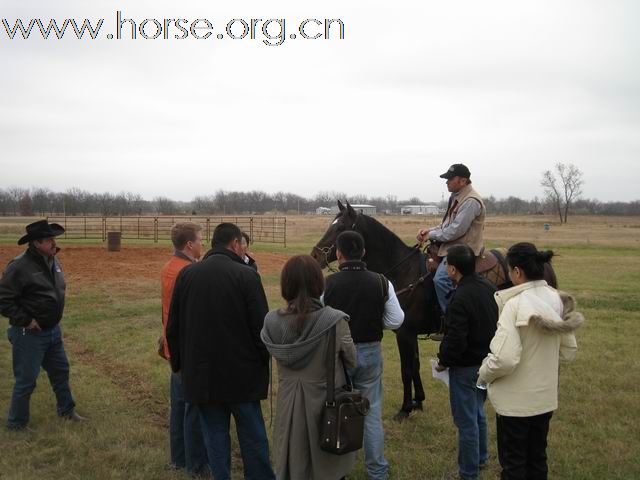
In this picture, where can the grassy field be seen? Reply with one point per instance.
(113, 319)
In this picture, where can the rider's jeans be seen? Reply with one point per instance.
(443, 285)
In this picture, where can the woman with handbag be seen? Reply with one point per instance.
(535, 332)
(297, 336)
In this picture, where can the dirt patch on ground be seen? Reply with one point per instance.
(92, 265)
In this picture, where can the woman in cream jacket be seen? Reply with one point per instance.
(535, 332)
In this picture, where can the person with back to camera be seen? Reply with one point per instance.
(297, 337)
(372, 305)
(213, 331)
(535, 332)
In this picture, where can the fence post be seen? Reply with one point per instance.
(285, 232)
(155, 229)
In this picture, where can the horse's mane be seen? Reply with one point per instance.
(378, 230)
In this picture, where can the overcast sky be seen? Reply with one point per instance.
(507, 87)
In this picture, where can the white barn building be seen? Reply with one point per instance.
(419, 210)
(366, 209)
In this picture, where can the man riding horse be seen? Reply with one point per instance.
(463, 223)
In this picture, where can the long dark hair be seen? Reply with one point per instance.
(529, 259)
(301, 281)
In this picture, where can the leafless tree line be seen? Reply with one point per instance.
(562, 189)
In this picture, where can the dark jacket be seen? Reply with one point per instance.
(29, 289)
(217, 312)
(361, 294)
(470, 323)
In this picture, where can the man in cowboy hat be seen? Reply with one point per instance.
(32, 297)
(463, 224)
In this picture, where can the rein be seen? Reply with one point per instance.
(326, 251)
(411, 287)
(414, 249)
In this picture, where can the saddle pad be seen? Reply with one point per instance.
(485, 262)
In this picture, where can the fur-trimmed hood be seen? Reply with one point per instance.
(554, 314)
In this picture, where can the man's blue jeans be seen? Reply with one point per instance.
(467, 408)
(33, 349)
(252, 436)
(367, 377)
(186, 441)
(443, 285)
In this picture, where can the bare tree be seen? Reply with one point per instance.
(562, 187)
(5, 202)
(42, 200)
(15, 194)
(26, 205)
(165, 206)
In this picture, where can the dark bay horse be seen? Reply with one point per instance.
(386, 253)
(383, 251)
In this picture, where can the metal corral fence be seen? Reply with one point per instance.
(260, 229)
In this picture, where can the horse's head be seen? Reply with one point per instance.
(325, 250)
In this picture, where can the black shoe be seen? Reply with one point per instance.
(74, 417)
(402, 415)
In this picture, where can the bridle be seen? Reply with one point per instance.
(326, 251)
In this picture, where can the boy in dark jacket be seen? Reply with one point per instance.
(469, 327)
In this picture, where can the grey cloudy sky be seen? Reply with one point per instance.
(507, 87)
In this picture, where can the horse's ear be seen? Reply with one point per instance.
(340, 206)
(350, 210)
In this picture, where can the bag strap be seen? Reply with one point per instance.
(384, 283)
(331, 367)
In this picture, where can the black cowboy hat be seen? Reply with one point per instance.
(456, 170)
(41, 229)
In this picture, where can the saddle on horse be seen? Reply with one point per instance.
(490, 264)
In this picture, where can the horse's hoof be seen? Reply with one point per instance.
(402, 415)
(415, 405)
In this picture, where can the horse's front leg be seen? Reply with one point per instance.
(407, 349)
(419, 396)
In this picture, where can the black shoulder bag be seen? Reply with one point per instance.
(342, 427)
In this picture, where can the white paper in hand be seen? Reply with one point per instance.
(442, 376)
